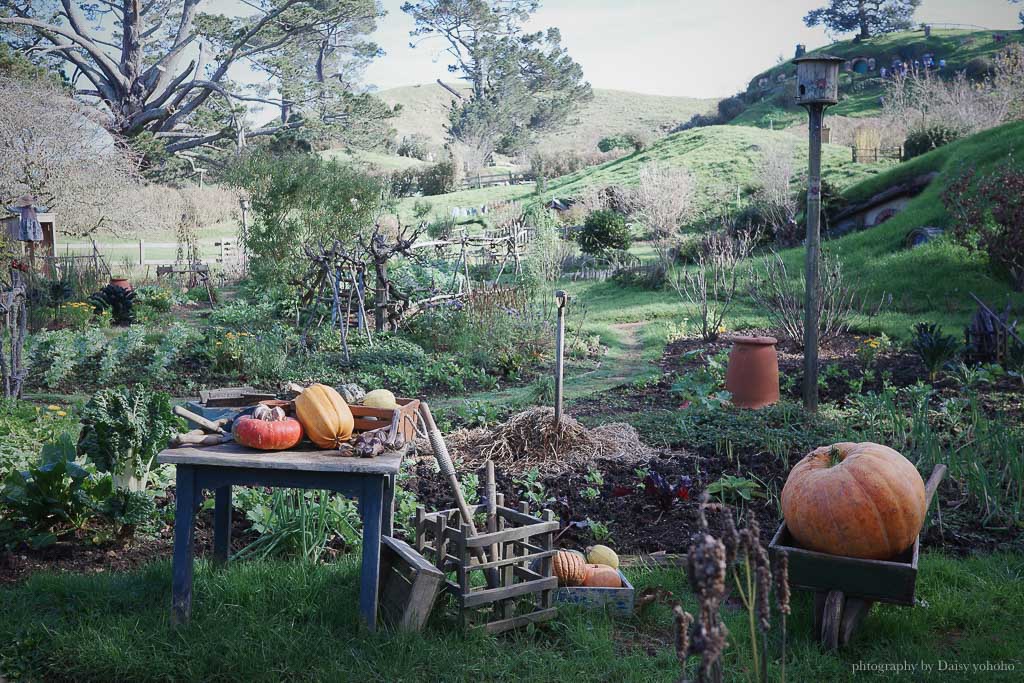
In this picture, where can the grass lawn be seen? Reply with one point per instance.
(296, 621)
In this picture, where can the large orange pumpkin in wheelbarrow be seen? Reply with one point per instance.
(855, 499)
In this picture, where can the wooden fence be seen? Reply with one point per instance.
(869, 155)
(222, 250)
(479, 181)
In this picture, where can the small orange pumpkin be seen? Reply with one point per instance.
(854, 499)
(602, 576)
(268, 429)
(569, 567)
(324, 415)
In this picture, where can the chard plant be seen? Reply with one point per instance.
(122, 432)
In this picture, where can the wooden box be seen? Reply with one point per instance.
(489, 575)
(618, 601)
(401, 421)
(409, 585)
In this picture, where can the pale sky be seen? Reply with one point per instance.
(666, 47)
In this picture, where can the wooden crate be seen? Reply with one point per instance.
(617, 601)
(409, 585)
(494, 594)
(401, 421)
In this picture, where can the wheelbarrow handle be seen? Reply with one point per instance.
(933, 484)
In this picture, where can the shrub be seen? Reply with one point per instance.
(988, 216)
(415, 146)
(782, 298)
(626, 141)
(730, 108)
(711, 284)
(925, 140)
(404, 182)
(978, 68)
(438, 179)
(604, 230)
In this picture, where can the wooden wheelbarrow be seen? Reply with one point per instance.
(845, 588)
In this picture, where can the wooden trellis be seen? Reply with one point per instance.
(14, 309)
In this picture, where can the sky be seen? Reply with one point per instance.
(695, 48)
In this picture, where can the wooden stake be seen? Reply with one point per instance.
(562, 298)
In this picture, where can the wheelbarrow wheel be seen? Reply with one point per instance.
(837, 616)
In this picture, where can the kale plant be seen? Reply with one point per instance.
(120, 302)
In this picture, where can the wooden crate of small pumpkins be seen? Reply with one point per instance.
(503, 577)
(593, 581)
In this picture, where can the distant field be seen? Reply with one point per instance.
(425, 111)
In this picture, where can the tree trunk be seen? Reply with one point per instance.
(862, 15)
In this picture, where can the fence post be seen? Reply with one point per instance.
(142, 253)
(562, 299)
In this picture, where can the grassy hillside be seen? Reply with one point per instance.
(860, 93)
(723, 158)
(425, 111)
(937, 277)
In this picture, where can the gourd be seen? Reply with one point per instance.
(602, 576)
(380, 398)
(268, 429)
(324, 415)
(602, 554)
(860, 500)
(569, 567)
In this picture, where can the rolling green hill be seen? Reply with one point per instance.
(860, 93)
(425, 111)
(720, 157)
(935, 278)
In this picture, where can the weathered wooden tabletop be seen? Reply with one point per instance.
(309, 459)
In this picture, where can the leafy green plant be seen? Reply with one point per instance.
(601, 532)
(51, 492)
(118, 300)
(730, 489)
(123, 430)
(532, 489)
(477, 413)
(294, 523)
(934, 348)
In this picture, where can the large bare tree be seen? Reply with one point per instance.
(165, 66)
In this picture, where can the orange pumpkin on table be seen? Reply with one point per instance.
(860, 500)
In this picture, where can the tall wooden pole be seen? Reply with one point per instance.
(562, 298)
(812, 292)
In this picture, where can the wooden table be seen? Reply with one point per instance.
(371, 480)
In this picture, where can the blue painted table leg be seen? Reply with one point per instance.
(371, 503)
(388, 511)
(222, 525)
(187, 496)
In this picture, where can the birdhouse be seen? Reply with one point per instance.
(817, 79)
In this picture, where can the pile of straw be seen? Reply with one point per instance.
(531, 439)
